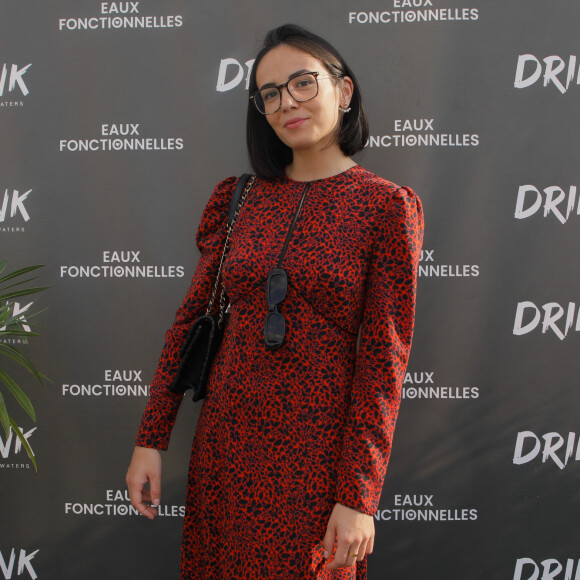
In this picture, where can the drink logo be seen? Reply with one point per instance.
(13, 211)
(421, 508)
(12, 452)
(121, 264)
(555, 201)
(560, 73)
(231, 74)
(430, 269)
(117, 503)
(117, 383)
(549, 569)
(421, 385)
(121, 137)
(421, 133)
(555, 447)
(408, 11)
(12, 84)
(121, 15)
(18, 312)
(554, 318)
(16, 563)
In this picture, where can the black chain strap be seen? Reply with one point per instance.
(230, 227)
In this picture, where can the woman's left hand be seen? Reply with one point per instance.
(354, 533)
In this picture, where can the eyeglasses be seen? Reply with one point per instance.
(275, 325)
(302, 87)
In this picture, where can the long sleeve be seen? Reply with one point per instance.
(162, 407)
(383, 353)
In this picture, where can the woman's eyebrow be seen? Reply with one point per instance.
(294, 74)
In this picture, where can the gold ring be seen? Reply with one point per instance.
(353, 555)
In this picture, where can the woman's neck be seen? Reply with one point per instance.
(307, 166)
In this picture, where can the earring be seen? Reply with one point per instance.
(345, 109)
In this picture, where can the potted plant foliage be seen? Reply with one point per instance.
(13, 286)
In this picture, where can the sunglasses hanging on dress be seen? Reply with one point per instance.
(276, 290)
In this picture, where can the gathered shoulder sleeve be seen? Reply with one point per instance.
(383, 353)
(161, 410)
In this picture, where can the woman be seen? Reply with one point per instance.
(292, 443)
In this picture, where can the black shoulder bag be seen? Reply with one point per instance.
(206, 333)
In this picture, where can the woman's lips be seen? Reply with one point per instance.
(294, 123)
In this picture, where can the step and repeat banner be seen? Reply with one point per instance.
(116, 121)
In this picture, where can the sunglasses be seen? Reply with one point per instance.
(275, 325)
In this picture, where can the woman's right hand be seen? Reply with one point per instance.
(145, 467)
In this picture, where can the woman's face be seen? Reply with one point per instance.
(309, 124)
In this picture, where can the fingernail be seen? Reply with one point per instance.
(155, 502)
(325, 554)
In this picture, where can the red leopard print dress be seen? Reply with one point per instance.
(284, 435)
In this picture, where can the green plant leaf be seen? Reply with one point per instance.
(21, 359)
(27, 315)
(20, 282)
(17, 332)
(4, 418)
(19, 394)
(17, 293)
(3, 265)
(17, 273)
(24, 443)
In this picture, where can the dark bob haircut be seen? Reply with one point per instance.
(268, 155)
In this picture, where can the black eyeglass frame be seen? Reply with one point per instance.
(280, 87)
(274, 318)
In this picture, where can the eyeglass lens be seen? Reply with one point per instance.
(276, 287)
(274, 329)
(302, 88)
